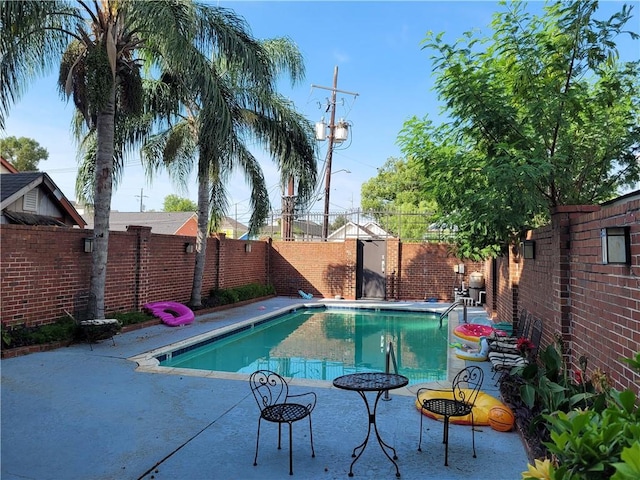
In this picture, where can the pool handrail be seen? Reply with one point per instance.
(451, 307)
(390, 356)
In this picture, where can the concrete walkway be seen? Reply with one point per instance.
(73, 413)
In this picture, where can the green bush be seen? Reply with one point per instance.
(62, 330)
(132, 318)
(601, 441)
(229, 296)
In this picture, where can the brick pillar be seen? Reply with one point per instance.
(561, 218)
(142, 261)
(351, 260)
(392, 269)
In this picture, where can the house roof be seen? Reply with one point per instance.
(369, 230)
(13, 186)
(6, 165)
(167, 223)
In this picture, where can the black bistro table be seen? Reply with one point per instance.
(372, 382)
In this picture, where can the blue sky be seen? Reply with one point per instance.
(376, 47)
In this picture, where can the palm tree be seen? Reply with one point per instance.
(259, 114)
(102, 46)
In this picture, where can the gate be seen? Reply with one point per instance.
(370, 278)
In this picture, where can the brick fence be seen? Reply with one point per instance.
(594, 307)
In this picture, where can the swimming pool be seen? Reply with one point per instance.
(320, 343)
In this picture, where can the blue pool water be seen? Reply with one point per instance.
(322, 344)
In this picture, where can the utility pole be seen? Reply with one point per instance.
(332, 130)
(141, 197)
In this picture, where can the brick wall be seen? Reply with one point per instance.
(45, 271)
(238, 266)
(427, 271)
(593, 307)
(324, 269)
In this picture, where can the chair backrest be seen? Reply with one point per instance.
(522, 328)
(466, 384)
(268, 388)
(536, 336)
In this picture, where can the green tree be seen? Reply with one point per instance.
(23, 153)
(340, 221)
(249, 110)
(398, 200)
(174, 203)
(541, 114)
(101, 48)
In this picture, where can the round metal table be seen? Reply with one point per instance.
(372, 382)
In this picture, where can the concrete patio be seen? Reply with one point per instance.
(76, 413)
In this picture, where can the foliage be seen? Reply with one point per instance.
(226, 296)
(132, 318)
(23, 153)
(339, 221)
(595, 436)
(62, 330)
(541, 114)
(549, 386)
(174, 203)
(399, 187)
(106, 52)
(210, 125)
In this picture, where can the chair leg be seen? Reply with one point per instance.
(313, 452)
(255, 459)
(420, 440)
(290, 450)
(279, 435)
(446, 441)
(473, 435)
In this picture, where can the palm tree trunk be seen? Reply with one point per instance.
(201, 236)
(105, 125)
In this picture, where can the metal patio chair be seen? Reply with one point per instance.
(277, 405)
(503, 360)
(457, 402)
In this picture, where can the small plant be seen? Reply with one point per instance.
(132, 318)
(599, 442)
(64, 329)
(524, 346)
(238, 294)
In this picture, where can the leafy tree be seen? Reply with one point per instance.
(340, 221)
(244, 108)
(101, 48)
(174, 203)
(23, 153)
(396, 198)
(541, 114)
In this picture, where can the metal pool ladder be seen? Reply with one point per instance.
(451, 307)
(389, 357)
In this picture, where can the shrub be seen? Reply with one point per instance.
(595, 443)
(238, 294)
(62, 330)
(132, 318)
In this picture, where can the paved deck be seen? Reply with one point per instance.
(73, 413)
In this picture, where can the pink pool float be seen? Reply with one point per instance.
(473, 331)
(171, 313)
